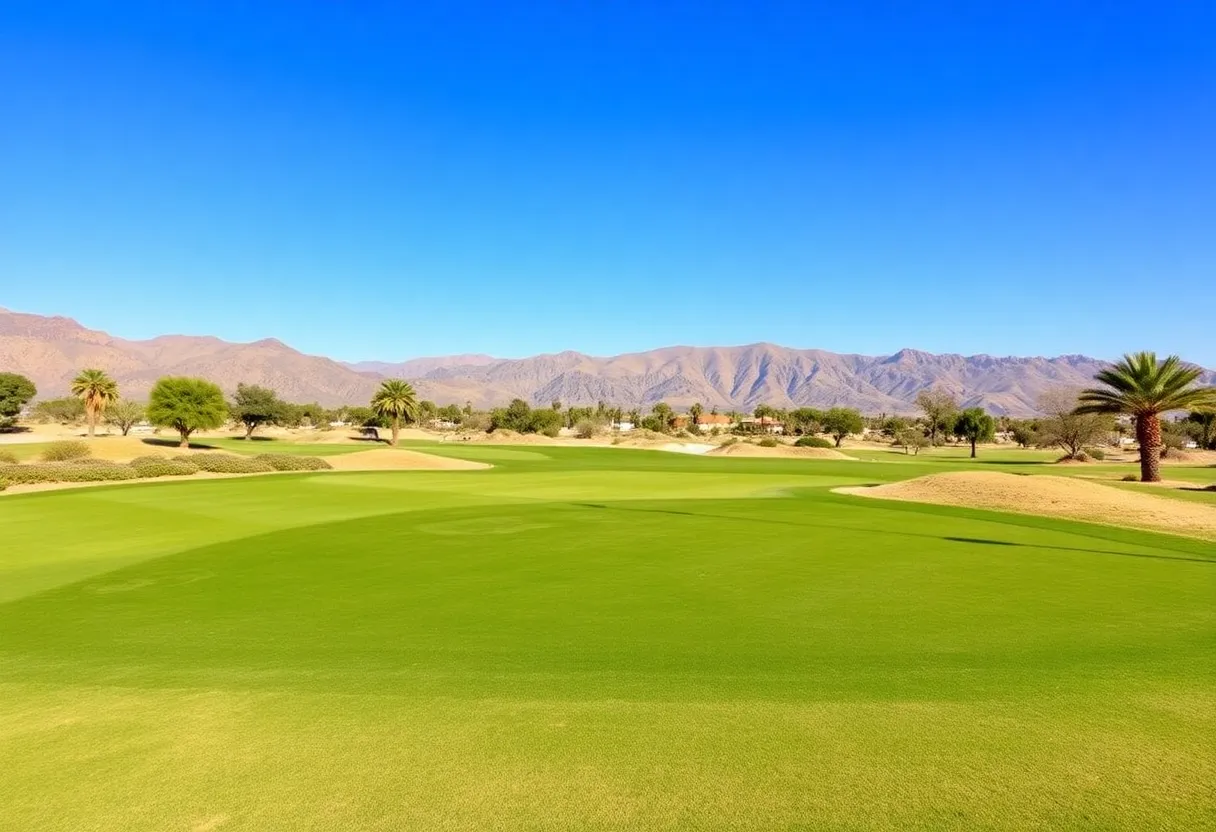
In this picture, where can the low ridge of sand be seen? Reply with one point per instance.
(399, 459)
(785, 451)
(1069, 497)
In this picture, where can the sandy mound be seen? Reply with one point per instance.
(399, 459)
(784, 451)
(1068, 497)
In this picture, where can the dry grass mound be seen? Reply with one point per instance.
(782, 451)
(399, 459)
(1068, 497)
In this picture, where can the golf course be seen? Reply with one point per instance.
(599, 638)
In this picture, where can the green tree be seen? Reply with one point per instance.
(395, 400)
(663, 416)
(1024, 432)
(65, 410)
(186, 405)
(124, 414)
(839, 422)
(1140, 385)
(254, 406)
(940, 409)
(911, 439)
(975, 426)
(15, 391)
(97, 390)
(695, 411)
(1201, 424)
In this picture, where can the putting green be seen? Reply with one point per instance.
(594, 639)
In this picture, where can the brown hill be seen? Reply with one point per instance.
(51, 350)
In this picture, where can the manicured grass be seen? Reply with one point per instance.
(595, 639)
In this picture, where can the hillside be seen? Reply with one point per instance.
(51, 349)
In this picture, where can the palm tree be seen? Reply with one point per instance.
(96, 390)
(1140, 385)
(395, 400)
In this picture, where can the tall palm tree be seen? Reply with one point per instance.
(96, 390)
(1140, 385)
(395, 400)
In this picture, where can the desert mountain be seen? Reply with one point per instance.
(52, 350)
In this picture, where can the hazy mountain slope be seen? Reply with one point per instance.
(52, 350)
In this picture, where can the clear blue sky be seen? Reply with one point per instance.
(386, 180)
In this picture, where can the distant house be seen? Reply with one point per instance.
(765, 424)
(622, 427)
(706, 422)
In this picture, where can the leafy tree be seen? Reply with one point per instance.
(940, 409)
(1144, 387)
(254, 406)
(974, 425)
(427, 411)
(124, 414)
(395, 400)
(1024, 432)
(186, 405)
(66, 410)
(546, 421)
(1063, 427)
(1201, 424)
(665, 416)
(839, 422)
(911, 440)
(97, 390)
(695, 411)
(804, 420)
(15, 391)
(893, 425)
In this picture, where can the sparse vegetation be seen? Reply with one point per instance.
(66, 450)
(125, 414)
(8, 457)
(1061, 426)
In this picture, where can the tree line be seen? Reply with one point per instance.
(1139, 387)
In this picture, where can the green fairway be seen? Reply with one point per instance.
(596, 639)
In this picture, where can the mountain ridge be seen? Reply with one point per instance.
(51, 349)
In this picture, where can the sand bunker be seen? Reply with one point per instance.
(785, 451)
(1068, 497)
(399, 459)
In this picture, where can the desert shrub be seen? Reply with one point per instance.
(91, 471)
(3, 484)
(734, 440)
(227, 463)
(8, 458)
(159, 466)
(813, 442)
(288, 462)
(586, 428)
(1130, 478)
(768, 442)
(66, 450)
(1096, 453)
(1079, 456)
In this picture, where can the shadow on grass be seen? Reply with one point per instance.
(984, 541)
(175, 443)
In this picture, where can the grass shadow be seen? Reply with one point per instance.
(174, 443)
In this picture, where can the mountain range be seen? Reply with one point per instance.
(50, 350)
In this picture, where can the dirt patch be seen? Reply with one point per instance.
(399, 459)
(1068, 497)
(780, 451)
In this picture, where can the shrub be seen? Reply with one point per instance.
(1096, 453)
(8, 458)
(66, 450)
(3, 484)
(66, 472)
(227, 463)
(813, 442)
(768, 442)
(287, 462)
(586, 428)
(1130, 478)
(159, 466)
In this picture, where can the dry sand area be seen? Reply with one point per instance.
(1067, 497)
(783, 451)
(399, 459)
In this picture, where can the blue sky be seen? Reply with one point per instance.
(386, 180)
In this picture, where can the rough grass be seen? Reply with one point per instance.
(594, 639)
